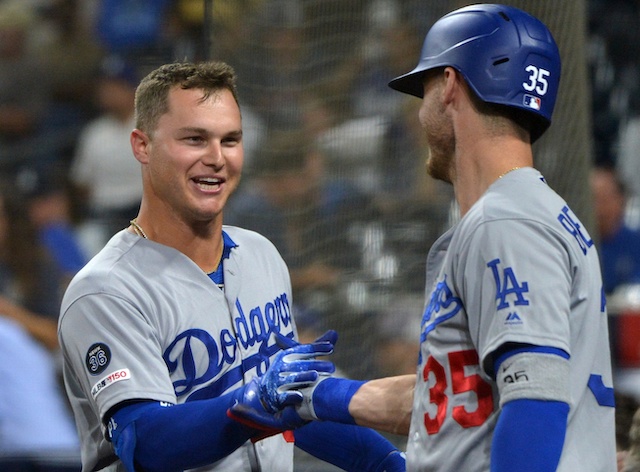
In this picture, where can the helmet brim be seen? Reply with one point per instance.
(410, 83)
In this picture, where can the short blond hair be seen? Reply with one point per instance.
(152, 94)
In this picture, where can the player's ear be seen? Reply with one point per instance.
(139, 145)
(452, 84)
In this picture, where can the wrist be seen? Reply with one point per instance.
(331, 399)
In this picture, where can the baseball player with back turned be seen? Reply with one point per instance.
(179, 317)
(514, 369)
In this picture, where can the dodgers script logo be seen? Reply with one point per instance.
(252, 329)
(442, 306)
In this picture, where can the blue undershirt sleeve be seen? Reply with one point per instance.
(350, 447)
(529, 436)
(198, 433)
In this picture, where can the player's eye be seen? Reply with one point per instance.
(232, 139)
(194, 139)
(230, 142)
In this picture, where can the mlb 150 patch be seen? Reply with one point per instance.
(113, 377)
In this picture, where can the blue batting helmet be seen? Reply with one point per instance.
(507, 57)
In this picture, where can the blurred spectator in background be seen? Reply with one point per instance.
(305, 214)
(47, 198)
(628, 433)
(613, 51)
(374, 137)
(631, 461)
(619, 247)
(279, 65)
(619, 244)
(37, 433)
(626, 408)
(103, 167)
(131, 28)
(70, 55)
(398, 330)
(383, 56)
(181, 40)
(628, 165)
(25, 89)
(29, 275)
(36, 428)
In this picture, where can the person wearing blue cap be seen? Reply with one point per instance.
(103, 168)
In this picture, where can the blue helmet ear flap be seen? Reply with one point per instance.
(507, 57)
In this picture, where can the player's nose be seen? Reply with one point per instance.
(214, 156)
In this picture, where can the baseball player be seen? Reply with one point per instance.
(514, 369)
(179, 317)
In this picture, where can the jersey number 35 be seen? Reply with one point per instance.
(460, 383)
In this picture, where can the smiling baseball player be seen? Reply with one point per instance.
(181, 317)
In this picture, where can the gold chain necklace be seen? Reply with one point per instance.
(510, 170)
(136, 227)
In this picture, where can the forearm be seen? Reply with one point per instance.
(199, 433)
(350, 447)
(385, 404)
(382, 404)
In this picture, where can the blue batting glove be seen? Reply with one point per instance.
(293, 368)
(251, 411)
(285, 342)
(268, 401)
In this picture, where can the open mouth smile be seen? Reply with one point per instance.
(208, 184)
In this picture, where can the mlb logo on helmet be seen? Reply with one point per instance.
(533, 102)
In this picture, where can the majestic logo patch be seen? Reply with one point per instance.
(513, 318)
(113, 377)
(98, 358)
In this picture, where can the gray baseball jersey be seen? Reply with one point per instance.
(519, 267)
(142, 321)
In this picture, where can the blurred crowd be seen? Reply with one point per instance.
(612, 50)
(334, 174)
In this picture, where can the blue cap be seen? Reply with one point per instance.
(118, 68)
